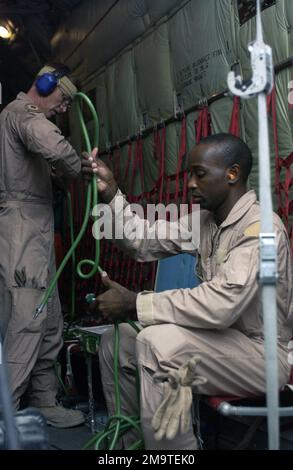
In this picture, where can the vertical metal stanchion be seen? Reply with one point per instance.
(261, 85)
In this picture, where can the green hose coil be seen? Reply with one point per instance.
(91, 200)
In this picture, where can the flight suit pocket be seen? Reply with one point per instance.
(19, 348)
(24, 333)
(25, 300)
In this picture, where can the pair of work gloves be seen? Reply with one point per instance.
(174, 412)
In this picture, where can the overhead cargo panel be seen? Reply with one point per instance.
(98, 30)
(289, 17)
(121, 97)
(159, 8)
(201, 51)
(153, 75)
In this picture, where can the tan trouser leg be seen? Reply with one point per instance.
(23, 338)
(43, 385)
(31, 345)
(232, 363)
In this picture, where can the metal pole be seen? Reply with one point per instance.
(261, 85)
(268, 260)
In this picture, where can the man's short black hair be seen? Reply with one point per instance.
(233, 150)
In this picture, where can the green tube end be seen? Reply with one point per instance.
(90, 298)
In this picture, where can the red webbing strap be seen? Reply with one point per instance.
(59, 250)
(148, 271)
(162, 163)
(111, 262)
(282, 187)
(286, 163)
(167, 194)
(272, 109)
(182, 153)
(116, 164)
(103, 254)
(122, 270)
(202, 124)
(134, 167)
(140, 277)
(129, 158)
(203, 128)
(116, 266)
(106, 250)
(286, 210)
(140, 163)
(234, 127)
(130, 264)
(138, 267)
(159, 154)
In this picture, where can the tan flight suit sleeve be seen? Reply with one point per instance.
(42, 137)
(145, 240)
(215, 304)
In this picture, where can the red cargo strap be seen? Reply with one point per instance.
(159, 148)
(59, 250)
(202, 124)
(182, 154)
(138, 162)
(272, 109)
(116, 163)
(286, 210)
(281, 188)
(129, 158)
(234, 127)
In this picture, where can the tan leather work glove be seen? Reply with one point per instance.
(174, 411)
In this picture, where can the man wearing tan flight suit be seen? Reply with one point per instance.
(218, 325)
(30, 147)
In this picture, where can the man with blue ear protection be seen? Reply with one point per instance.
(30, 145)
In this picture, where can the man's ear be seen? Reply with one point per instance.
(233, 174)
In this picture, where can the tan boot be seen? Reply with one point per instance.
(60, 417)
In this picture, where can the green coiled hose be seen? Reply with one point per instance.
(118, 424)
(91, 200)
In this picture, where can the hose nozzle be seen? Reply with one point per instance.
(90, 298)
(38, 310)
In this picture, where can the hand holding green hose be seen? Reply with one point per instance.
(91, 201)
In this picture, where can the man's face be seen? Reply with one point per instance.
(56, 103)
(208, 177)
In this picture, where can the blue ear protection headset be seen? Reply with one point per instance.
(47, 82)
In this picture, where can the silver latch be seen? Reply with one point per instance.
(268, 258)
